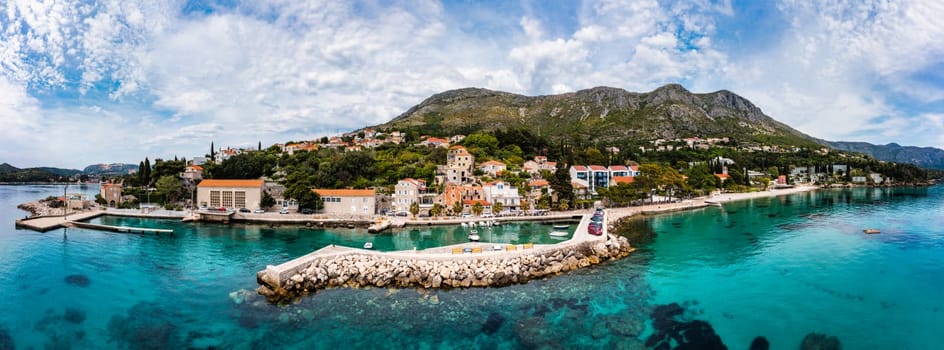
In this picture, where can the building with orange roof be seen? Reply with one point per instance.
(192, 173)
(230, 193)
(493, 167)
(458, 167)
(435, 142)
(348, 201)
(409, 191)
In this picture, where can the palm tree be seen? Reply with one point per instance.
(457, 208)
(497, 208)
(414, 209)
(436, 210)
(477, 209)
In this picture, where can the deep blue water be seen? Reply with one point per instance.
(780, 268)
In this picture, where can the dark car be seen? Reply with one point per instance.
(307, 211)
(244, 210)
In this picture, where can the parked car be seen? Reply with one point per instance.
(403, 213)
(307, 211)
(259, 211)
(283, 211)
(244, 210)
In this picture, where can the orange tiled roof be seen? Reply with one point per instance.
(231, 183)
(344, 192)
(473, 201)
(538, 183)
(491, 162)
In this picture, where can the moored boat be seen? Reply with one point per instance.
(558, 234)
(561, 227)
(474, 236)
(369, 245)
(871, 231)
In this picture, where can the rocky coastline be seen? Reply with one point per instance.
(362, 269)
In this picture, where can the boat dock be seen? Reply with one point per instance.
(48, 223)
(128, 229)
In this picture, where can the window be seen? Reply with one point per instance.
(228, 199)
(215, 199)
(240, 199)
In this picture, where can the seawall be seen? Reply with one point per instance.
(446, 267)
(355, 269)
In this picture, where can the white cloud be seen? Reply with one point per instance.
(283, 69)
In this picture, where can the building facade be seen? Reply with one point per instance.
(111, 193)
(409, 191)
(348, 202)
(230, 194)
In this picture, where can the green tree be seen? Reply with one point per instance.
(477, 209)
(563, 204)
(169, 187)
(497, 207)
(525, 205)
(415, 209)
(457, 208)
(561, 184)
(267, 201)
(298, 187)
(594, 156)
(436, 210)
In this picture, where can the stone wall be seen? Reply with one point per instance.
(362, 270)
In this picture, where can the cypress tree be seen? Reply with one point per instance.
(147, 171)
(212, 151)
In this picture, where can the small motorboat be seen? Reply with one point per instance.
(561, 227)
(495, 223)
(871, 231)
(483, 223)
(464, 224)
(369, 245)
(559, 234)
(474, 236)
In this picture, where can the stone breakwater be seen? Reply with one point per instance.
(494, 269)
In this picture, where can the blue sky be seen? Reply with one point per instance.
(85, 82)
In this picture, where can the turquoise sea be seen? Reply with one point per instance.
(780, 268)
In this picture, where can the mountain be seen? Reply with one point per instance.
(110, 169)
(60, 171)
(7, 168)
(925, 157)
(601, 114)
(9, 173)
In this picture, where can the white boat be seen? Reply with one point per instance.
(559, 234)
(561, 227)
(464, 224)
(483, 223)
(495, 223)
(474, 236)
(368, 245)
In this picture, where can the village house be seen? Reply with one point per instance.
(111, 193)
(458, 168)
(291, 148)
(593, 177)
(435, 142)
(538, 188)
(493, 167)
(192, 173)
(539, 163)
(348, 201)
(230, 194)
(504, 193)
(409, 191)
(456, 193)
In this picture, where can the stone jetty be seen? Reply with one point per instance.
(379, 270)
(333, 267)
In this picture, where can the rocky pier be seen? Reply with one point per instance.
(355, 268)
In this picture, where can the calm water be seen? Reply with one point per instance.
(779, 267)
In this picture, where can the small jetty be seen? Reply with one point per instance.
(127, 229)
(379, 226)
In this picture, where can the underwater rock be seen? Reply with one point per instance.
(146, 326)
(78, 280)
(760, 343)
(6, 341)
(817, 341)
(493, 323)
(670, 331)
(74, 315)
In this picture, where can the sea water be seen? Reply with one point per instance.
(778, 267)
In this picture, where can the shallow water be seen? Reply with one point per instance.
(779, 267)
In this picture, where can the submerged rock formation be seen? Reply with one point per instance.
(361, 270)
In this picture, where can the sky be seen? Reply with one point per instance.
(85, 82)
